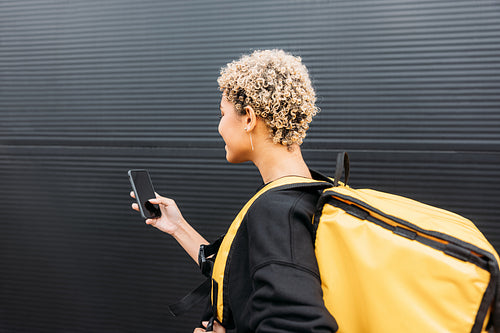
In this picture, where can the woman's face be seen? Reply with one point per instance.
(232, 130)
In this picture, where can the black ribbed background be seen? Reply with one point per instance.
(90, 89)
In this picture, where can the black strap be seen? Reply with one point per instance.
(202, 292)
(206, 256)
(210, 325)
(193, 298)
(495, 314)
(342, 166)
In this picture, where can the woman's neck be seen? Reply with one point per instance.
(276, 161)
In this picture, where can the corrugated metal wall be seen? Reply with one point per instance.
(89, 89)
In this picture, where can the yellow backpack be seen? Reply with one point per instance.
(392, 264)
(389, 263)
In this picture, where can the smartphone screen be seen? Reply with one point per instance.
(144, 191)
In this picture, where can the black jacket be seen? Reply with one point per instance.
(273, 282)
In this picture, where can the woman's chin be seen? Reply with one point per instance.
(234, 159)
(231, 160)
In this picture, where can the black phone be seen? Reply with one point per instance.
(144, 191)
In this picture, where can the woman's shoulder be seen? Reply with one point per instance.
(279, 205)
(279, 226)
(287, 196)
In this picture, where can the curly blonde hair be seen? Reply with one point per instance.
(277, 86)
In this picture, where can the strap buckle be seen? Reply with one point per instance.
(206, 265)
(206, 256)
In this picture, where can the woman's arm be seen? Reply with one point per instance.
(173, 223)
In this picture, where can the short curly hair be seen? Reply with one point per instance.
(277, 86)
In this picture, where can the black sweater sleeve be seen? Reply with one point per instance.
(286, 291)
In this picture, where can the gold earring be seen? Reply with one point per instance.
(251, 143)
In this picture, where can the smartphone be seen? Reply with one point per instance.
(144, 191)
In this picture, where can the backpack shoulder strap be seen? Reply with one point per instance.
(195, 297)
(221, 312)
(495, 314)
(342, 166)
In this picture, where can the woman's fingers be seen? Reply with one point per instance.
(201, 330)
(218, 328)
(162, 201)
(158, 200)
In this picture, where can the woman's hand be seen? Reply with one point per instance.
(172, 222)
(171, 217)
(217, 328)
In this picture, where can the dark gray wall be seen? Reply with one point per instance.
(89, 89)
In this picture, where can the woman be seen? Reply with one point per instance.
(274, 286)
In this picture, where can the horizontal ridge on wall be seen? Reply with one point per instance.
(422, 75)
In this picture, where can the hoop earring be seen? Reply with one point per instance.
(251, 143)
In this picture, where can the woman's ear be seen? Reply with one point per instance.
(250, 118)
